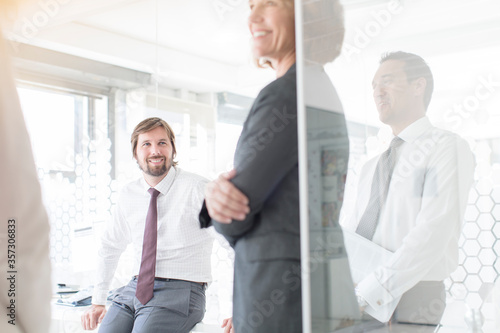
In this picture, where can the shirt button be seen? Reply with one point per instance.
(379, 302)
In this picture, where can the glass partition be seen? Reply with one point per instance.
(440, 228)
(327, 282)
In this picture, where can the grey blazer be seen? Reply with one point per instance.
(267, 286)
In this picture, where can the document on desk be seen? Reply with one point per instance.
(81, 298)
(364, 257)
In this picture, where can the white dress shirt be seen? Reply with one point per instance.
(422, 217)
(183, 249)
(20, 200)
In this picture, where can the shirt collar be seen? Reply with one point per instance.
(415, 130)
(164, 185)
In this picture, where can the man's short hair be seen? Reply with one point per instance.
(415, 67)
(150, 124)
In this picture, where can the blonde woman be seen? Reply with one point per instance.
(257, 210)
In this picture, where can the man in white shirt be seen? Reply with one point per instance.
(419, 217)
(183, 250)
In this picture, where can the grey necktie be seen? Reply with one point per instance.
(380, 187)
(146, 279)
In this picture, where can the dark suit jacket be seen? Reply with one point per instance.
(267, 287)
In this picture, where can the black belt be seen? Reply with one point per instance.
(167, 280)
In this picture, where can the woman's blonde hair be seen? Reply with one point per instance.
(7, 8)
(10, 10)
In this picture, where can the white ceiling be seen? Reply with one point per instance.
(193, 44)
(191, 26)
(216, 31)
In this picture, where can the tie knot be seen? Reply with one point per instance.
(396, 142)
(154, 192)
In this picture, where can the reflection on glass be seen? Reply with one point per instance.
(333, 303)
(410, 201)
(427, 263)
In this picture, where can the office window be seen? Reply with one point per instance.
(69, 134)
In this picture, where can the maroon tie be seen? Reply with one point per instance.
(146, 280)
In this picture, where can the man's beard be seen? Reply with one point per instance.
(156, 171)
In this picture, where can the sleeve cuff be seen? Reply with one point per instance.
(373, 292)
(99, 297)
(361, 301)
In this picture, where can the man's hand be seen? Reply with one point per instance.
(228, 324)
(224, 201)
(93, 317)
